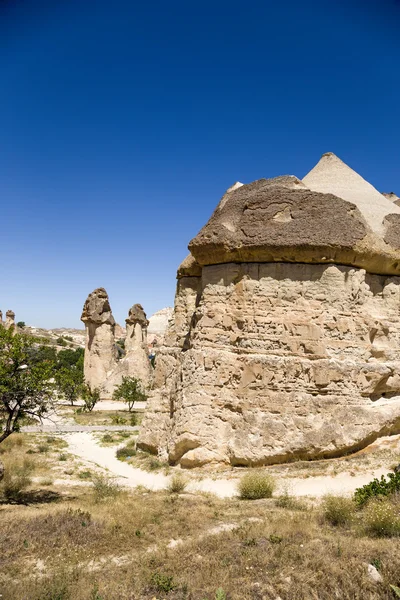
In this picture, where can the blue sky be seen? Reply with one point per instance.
(123, 123)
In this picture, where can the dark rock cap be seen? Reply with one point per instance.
(332, 216)
(97, 308)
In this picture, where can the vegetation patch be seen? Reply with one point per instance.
(253, 486)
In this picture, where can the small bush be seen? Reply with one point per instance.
(286, 500)
(85, 474)
(337, 510)
(254, 486)
(381, 518)
(177, 484)
(42, 448)
(16, 479)
(155, 464)
(125, 452)
(133, 421)
(63, 457)
(163, 583)
(378, 487)
(118, 420)
(104, 488)
(107, 439)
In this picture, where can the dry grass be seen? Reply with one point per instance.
(121, 549)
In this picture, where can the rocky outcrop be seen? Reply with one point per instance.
(392, 197)
(1, 318)
(100, 353)
(101, 367)
(285, 338)
(10, 319)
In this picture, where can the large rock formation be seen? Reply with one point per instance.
(10, 319)
(285, 340)
(101, 367)
(100, 353)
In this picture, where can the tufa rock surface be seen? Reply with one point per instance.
(285, 337)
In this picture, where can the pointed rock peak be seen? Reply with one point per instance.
(332, 176)
(234, 187)
(391, 196)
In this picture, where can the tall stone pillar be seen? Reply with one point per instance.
(10, 319)
(136, 344)
(1, 318)
(100, 354)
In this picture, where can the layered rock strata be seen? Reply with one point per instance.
(285, 339)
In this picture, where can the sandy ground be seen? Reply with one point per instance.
(85, 446)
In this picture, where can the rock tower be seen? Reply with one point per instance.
(100, 353)
(101, 367)
(10, 319)
(285, 340)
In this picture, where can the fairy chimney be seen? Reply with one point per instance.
(100, 354)
(10, 319)
(285, 338)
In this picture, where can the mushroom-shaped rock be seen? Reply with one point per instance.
(332, 216)
(97, 308)
(10, 319)
(100, 354)
(285, 339)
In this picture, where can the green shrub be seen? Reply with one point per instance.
(378, 487)
(176, 484)
(62, 457)
(163, 583)
(104, 487)
(286, 500)
(85, 474)
(133, 421)
(125, 452)
(118, 420)
(381, 518)
(253, 486)
(107, 438)
(16, 478)
(337, 510)
(155, 464)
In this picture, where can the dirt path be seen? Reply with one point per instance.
(85, 446)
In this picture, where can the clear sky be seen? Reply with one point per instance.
(122, 124)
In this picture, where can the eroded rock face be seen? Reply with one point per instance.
(270, 359)
(100, 354)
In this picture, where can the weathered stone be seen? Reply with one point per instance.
(100, 353)
(1, 470)
(10, 319)
(101, 367)
(272, 353)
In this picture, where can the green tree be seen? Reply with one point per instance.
(26, 388)
(130, 391)
(69, 383)
(90, 398)
(70, 358)
(21, 324)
